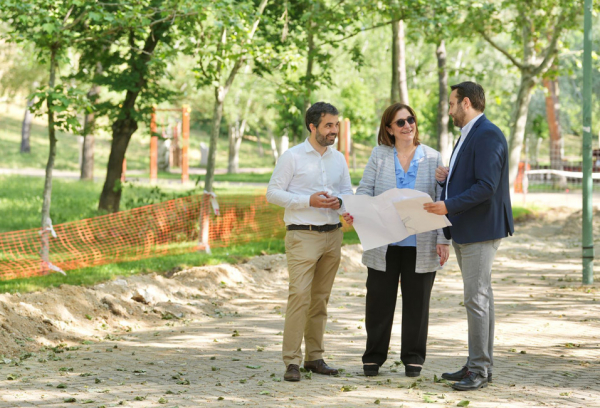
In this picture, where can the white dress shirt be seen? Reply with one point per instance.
(464, 131)
(300, 172)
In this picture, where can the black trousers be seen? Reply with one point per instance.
(382, 291)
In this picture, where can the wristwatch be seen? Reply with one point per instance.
(340, 200)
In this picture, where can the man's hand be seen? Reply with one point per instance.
(441, 173)
(322, 199)
(348, 218)
(444, 252)
(438, 208)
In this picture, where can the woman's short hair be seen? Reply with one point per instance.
(384, 138)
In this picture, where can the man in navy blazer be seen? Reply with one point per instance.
(476, 199)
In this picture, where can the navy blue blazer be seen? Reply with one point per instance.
(478, 190)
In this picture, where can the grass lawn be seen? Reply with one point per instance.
(21, 196)
(138, 151)
(20, 203)
(21, 199)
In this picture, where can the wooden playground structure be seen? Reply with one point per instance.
(178, 154)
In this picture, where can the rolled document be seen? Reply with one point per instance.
(391, 216)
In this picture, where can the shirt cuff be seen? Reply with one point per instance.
(305, 201)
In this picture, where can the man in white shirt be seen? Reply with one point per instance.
(308, 180)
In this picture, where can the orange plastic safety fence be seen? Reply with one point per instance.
(171, 227)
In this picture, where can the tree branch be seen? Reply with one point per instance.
(502, 50)
(337, 5)
(202, 68)
(356, 33)
(261, 9)
(173, 17)
(232, 74)
(68, 14)
(549, 57)
(76, 21)
(130, 47)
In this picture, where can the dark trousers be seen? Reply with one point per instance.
(382, 291)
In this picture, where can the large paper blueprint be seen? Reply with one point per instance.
(391, 216)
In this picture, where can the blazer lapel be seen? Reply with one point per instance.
(468, 138)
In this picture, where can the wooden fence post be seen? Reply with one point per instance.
(124, 170)
(185, 142)
(153, 148)
(204, 223)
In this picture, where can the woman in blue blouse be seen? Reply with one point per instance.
(401, 161)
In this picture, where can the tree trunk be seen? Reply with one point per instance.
(444, 141)
(273, 146)
(259, 145)
(122, 130)
(46, 221)
(517, 128)
(89, 128)
(236, 133)
(530, 69)
(309, 70)
(87, 156)
(399, 83)
(220, 94)
(552, 114)
(26, 128)
(124, 127)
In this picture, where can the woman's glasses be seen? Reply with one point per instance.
(401, 122)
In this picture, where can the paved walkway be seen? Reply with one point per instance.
(547, 344)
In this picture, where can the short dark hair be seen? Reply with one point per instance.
(384, 138)
(473, 91)
(317, 111)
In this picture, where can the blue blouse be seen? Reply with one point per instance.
(407, 180)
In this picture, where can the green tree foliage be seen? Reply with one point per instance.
(134, 56)
(229, 45)
(359, 107)
(535, 28)
(52, 26)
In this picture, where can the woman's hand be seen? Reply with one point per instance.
(444, 252)
(348, 218)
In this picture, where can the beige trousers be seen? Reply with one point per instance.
(313, 259)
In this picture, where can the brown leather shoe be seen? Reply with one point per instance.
(319, 367)
(292, 373)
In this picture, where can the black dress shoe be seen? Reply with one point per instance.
(292, 373)
(471, 382)
(412, 371)
(319, 367)
(460, 374)
(456, 376)
(371, 370)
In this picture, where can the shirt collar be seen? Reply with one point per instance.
(419, 153)
(309, 148)
(464, 131)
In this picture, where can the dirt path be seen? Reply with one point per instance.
(212, 337)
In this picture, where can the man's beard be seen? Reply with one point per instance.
(323, 141)
(459, 117)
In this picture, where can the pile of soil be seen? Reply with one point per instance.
(70, 315)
